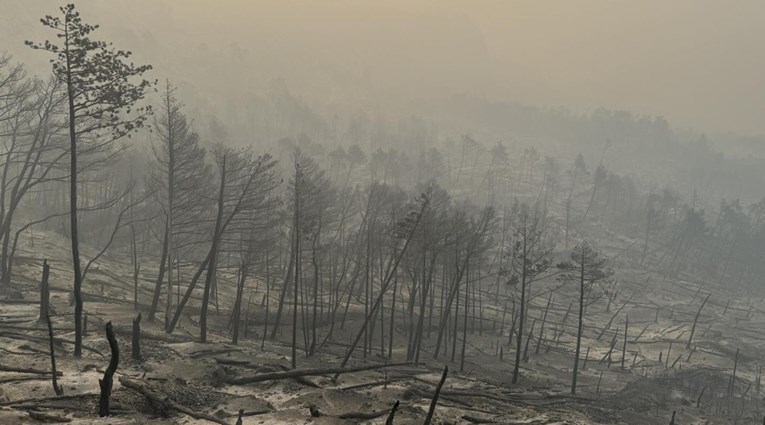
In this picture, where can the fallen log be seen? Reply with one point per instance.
(477, 420)
(44, 340)
(164, 404)
(301, 379)
(45, 417)
(373, 384)
(245, 413)
(243, 380)
(362, 415)
(28, 370)
(56, 398)
(206, 353)
(23, 378)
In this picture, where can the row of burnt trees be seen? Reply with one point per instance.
(338, 241)
(200, 206)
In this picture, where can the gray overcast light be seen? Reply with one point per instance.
(382, 212)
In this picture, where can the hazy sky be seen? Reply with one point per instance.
(700, 63)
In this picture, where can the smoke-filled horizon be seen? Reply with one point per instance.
(696, 63)
(316, 207)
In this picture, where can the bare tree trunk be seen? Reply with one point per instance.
(268, 302)
(695, 320)
(136, 270)
(137, 338)
(187, 295)
(285, 288)
(297, 266)
(57, 388)
(464, 324)
(160, 276)
(434, 401)
(212, 264)
(106, 383)
(392, 321)
(384, 287)
(74, 234)
(44, 293)
(578, 331)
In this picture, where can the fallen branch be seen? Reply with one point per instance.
(206, 353)
(243, 380)
(165, 404)
(362, 415)
(44, 417)
(28, 370)
(26, 337)
(23, 378)
(38, 400)
(477, 420)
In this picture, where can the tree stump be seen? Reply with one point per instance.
(106, 383)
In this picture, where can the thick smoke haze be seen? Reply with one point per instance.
(697, 63)
(411, 211)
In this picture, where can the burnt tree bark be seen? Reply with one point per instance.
(434, 401)
(106, 383)
(137, 337)
(57, 388)
(44, 293)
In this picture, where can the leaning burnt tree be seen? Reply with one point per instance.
(101, 105)
(246, 191)
(408, 226)
(179, 186)
(470, 241)
(32, 152)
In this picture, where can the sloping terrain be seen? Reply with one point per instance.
(659, 373)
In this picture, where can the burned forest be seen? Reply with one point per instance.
(366, 213)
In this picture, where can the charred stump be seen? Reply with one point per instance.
(106, 383)
(57, 388)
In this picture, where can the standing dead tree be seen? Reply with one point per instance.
(179, 186)
(475, 231)
(44, 293)
(32, 151)
(530, 261)
(57, 388)
(136, 346)
(587, 268)
(101, 101)
(411, 221)
(246, 197)
(106, 383)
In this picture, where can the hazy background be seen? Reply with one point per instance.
(699, 63)
(673, 88)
